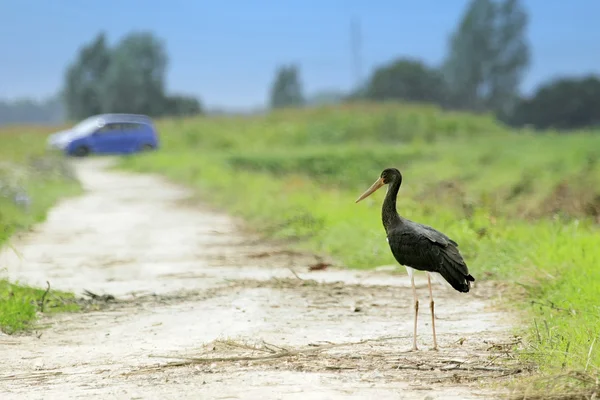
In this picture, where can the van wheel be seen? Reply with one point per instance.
(147, 147)
(81, 151)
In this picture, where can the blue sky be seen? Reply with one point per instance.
(226, 51)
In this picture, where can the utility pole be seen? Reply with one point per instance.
(355, 44)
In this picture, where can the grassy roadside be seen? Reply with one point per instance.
(523, 208)
(20, 304)
(30, 183)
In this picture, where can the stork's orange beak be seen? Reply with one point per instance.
(378, 183)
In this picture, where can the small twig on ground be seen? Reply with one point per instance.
(94, 296)
(500, 346)
(273, 347)
(334, 368)
(30, 375)
(44, 296)
(266, 349)
(295, 274)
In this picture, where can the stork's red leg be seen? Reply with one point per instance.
(435, 346)
(412, 282)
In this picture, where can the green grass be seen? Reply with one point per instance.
(524, 208)
(20, 304)
(27, 172)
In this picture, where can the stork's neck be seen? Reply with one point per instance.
(389, 215)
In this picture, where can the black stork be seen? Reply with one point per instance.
(418, 246)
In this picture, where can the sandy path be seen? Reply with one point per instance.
(189, 283)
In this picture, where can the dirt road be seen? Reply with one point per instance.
(189, 283)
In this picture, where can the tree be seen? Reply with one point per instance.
(83, 81)
(406, 79)
(488, 56)
(566, 103)
(135, 79)
(287, 89)
(129, 78)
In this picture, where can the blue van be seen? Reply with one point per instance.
(107, 134)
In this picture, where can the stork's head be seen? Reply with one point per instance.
(387, 176)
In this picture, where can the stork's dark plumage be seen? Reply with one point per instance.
(418, 246)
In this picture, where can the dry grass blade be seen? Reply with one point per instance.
(281, 353)
(363, 355)
(30, 375)
(267, 347)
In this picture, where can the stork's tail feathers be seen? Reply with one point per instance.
(457, 280)
(455, 271)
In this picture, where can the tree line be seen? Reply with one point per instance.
(50, 111)
(128, 78)
(488, 55)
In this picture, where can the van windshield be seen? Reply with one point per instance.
(86, 126)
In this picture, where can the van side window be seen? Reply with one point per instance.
(109, 128)
(121, 127)
(131, 126)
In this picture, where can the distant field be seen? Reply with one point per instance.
(525, 208)
(30, 183)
